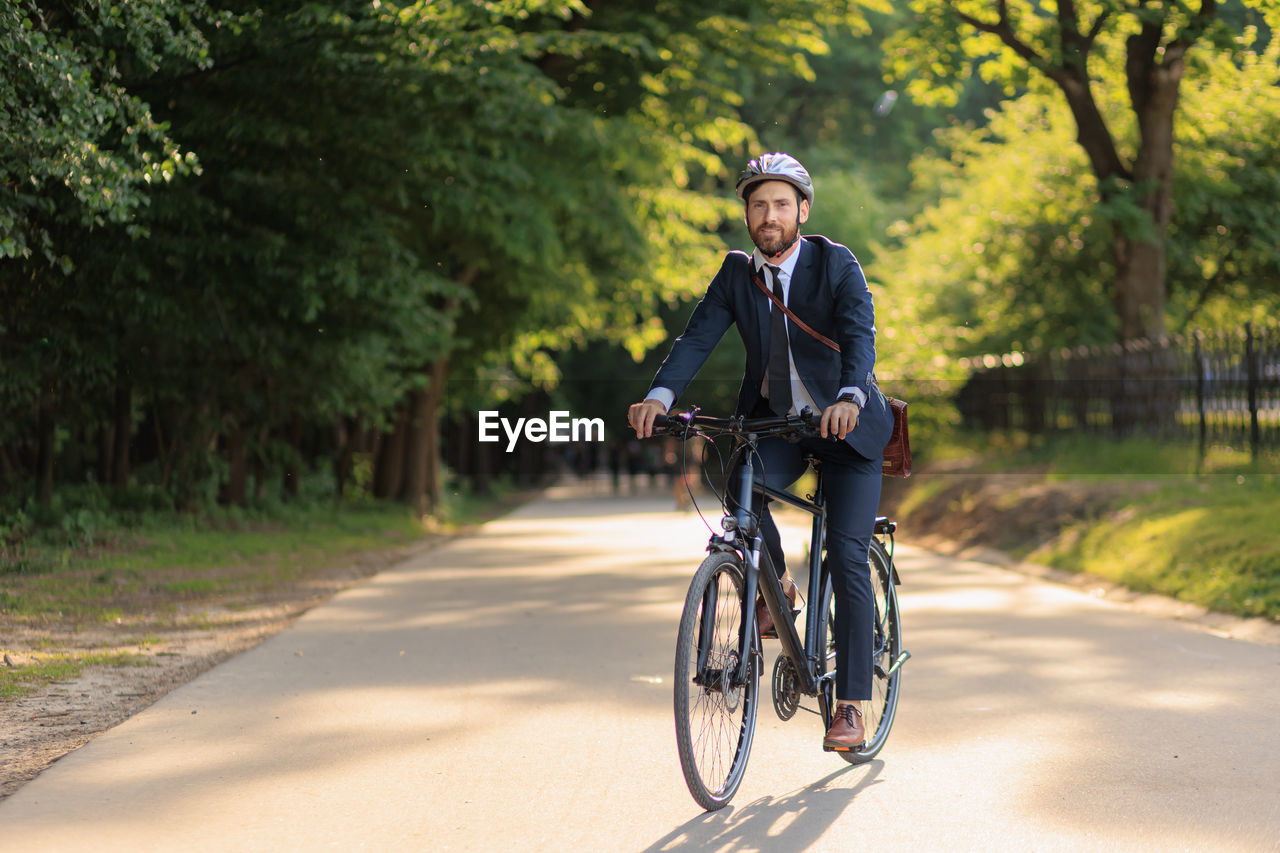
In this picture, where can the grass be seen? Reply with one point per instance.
(171, 560)
(78, 603)
(1081, 456)
(18, 681)
(1163, 520)
(1210, 542)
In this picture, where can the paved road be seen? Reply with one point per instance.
(511, 691)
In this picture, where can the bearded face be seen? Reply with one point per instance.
(774, 217)
(774, 238)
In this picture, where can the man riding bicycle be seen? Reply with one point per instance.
(790, 368)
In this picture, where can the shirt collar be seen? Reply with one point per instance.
(788, 266)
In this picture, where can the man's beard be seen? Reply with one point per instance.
(775, 244)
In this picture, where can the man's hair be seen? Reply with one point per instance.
(751, 190)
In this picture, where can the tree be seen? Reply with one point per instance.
(1073, 47)
(78, 151)
(1012, 256)
(76, 146)
(390, 195)
(1224, 240)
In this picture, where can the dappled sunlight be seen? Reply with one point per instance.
(469, 686)
(977, 599)
(364, 737)
(1085, 705)
(1180, 700)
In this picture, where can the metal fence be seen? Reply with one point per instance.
(1214, 388)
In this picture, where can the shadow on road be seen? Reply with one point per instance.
(792, 822)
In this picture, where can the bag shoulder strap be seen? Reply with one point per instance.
(823, 339)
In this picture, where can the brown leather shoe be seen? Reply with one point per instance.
(847, 734)
(765, 621)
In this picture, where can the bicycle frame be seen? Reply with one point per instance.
(805, 657)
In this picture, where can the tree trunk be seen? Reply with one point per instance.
(422, 466)
(1140, 285)
(482, 469)
(389, 470)
(167, 454)
(1139, 252)
(1141, 263)
(291, 473)
(234, 491)
(106, 446)
(123, 433)
(46, 426)
(435, 396)
(260, 463)
(345, 431)
(7, 467)
(1153, 71)
(420, 436)
(460, 451)
(417, 451)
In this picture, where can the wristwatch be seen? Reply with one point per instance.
(848, 397)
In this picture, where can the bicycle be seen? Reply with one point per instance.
(719, 654)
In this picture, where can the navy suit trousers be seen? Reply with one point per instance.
(851, 484)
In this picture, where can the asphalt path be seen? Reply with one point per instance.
(511, 690)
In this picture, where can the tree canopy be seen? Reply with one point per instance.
(1119, 68)
(233, 223)
(240, 238)
(1014, 252)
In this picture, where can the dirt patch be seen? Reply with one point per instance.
(39, 728)
(1015, 511)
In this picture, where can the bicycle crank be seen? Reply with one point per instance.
(786, 688)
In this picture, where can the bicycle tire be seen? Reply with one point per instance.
(886, 645)
(715, 720)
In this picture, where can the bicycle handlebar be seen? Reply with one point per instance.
(803, 426)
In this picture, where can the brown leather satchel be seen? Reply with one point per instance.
(897, 453)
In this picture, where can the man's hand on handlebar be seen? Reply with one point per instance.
(641, 416)
(839, 419)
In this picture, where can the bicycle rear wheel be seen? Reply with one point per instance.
(886, 645)
(715, 710)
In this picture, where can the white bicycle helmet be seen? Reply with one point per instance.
(775, 167)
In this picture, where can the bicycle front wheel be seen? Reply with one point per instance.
(715, 707)
(886, 646)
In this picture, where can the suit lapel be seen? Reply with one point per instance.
(761, 305)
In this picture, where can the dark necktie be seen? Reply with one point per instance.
(779, 369)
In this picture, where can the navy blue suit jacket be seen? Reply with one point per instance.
(829, 293)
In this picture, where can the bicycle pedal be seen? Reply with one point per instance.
(857, 748)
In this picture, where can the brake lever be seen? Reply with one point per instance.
(810, 423)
